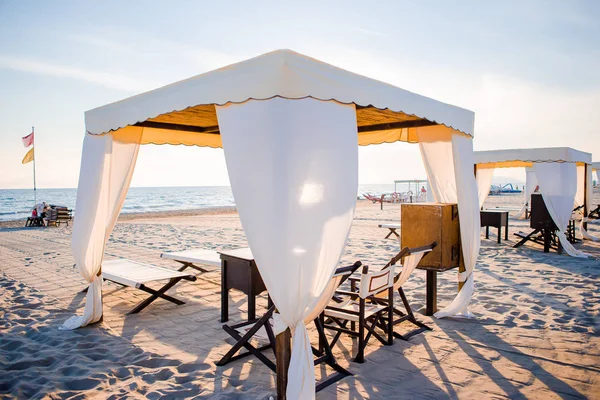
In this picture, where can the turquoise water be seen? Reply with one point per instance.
(17, 203)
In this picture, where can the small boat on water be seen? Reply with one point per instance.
(508, 188)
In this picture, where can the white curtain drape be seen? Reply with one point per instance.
(448, 159)
(581, 194)
(484, 183)
(558, 186)
(106, 170)
(293, 168)
(530, 185)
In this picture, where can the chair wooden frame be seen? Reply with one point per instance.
(323, 354)
(595, 213)
(368, 320)
(408, 314)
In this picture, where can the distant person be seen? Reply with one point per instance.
(537, 189)
(423, 190)
(41, 209)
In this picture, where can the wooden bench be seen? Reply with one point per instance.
(392, 228)
(63, 215)
(136, 275)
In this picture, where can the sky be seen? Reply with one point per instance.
(528, 69)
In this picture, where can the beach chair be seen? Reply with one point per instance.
(369, 316)
(595, 213)
(137, 275)
(263, 329)
(392, 228)
(195, 258)
(409, 258)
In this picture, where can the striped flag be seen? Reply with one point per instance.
(28, 157)
(28, 140)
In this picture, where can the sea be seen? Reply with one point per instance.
(16, 204)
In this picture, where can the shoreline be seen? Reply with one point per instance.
(18, 223)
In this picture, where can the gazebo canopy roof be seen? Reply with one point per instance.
(595, 166)
(184, 112)
(512, 158)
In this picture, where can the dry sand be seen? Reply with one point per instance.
(537, 332)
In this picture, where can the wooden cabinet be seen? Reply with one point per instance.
(423, 223)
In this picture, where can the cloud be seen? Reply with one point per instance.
(96, 77)
(147, 46)
(100, 42)
(370, 32)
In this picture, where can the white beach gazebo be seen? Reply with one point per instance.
(562, 173)
(290, 127)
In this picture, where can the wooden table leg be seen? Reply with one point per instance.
(251, 306)
(224, 293)
(487, 232)
(547, 240)
(283, 354)
(431, 295)
(499, 233)
(506, 231)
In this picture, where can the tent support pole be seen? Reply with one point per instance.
(283, 354)
(585, 197)
(34, 186)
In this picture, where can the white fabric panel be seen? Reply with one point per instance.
(281, 73)
(448, 160)
(104, 178)
(375, 282)
(548, 154)
(590, 188)
(580, 194)
(558, 186)
(409, 263)
(531, 183)
(584, 233)
(293, 168)
(484, 183)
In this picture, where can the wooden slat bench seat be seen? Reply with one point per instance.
(136, 275)
(392, 228)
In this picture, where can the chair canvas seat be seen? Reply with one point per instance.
(353, 307)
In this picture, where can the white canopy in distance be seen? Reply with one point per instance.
(289, 125)
(511, 158)
(563, 175)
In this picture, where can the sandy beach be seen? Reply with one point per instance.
(536, 335)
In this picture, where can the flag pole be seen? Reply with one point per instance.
(34, 188)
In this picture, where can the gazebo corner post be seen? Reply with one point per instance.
(585, 196)
(283, 354)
